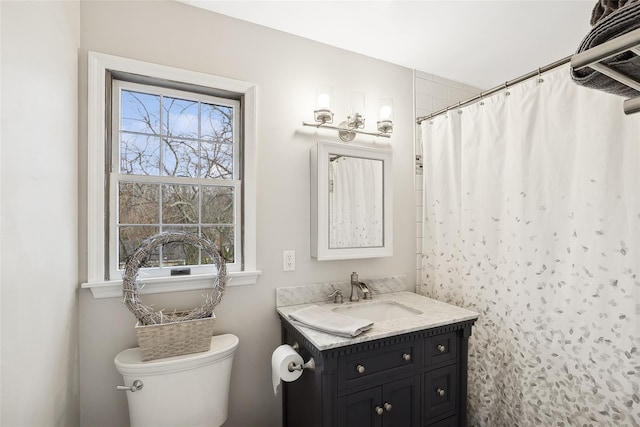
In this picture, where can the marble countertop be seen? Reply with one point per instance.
(433, 314)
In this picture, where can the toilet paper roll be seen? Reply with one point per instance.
(280, 360)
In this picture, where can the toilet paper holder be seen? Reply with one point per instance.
(310, 364)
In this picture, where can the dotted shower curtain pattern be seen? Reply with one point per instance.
(532, 218)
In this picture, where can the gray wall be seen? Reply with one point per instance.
(38, 234)
(287, 70)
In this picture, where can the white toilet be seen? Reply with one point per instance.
(182, 391)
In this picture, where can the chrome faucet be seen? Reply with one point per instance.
(355, 285)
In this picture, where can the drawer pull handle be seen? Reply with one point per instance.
(441, 392)
(379, 410)
(387, 407)
(360, 369)
(442, 348)
(406, 356)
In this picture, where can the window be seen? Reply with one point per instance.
(168, 150)
(175, 166)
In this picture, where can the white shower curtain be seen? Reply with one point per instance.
(355, 203)
(532, 219)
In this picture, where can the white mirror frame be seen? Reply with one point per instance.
(320, 201)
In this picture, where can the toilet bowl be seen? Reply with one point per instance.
(186, 391)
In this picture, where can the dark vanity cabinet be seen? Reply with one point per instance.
(417, 379)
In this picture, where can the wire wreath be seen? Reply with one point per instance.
(130, 286)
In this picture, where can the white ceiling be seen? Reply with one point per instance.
(480, 43)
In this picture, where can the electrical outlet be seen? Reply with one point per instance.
(288, 260)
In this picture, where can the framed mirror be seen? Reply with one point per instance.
(351, 202)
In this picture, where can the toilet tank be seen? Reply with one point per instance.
(191, 390)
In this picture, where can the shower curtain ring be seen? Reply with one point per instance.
(481, 98)
(506, 89)
(540, 79)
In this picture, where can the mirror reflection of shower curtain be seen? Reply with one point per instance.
(355, 202)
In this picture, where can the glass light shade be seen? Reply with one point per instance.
(322, 113)
(385, 120)
(323, 97)
(356, 103)
(355, 119)
(386, 109)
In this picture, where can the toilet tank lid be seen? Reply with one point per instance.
(129, 361)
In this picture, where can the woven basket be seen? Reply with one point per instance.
(174, 333)
(175, 339)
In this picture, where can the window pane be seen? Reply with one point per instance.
(129, 238)
(180, 158)
(180, 118)
(180, 204)
(216, 161)
(222, 237)
(175, 254)
(217, 205)
(140, 112)
(139, 154)
(217, 123)
(138, 203)
(171, 148)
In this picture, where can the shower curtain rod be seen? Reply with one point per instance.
(497, 89)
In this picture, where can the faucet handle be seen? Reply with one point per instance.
(366, 292)
(337, 296)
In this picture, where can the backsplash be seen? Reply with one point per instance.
(318, 292)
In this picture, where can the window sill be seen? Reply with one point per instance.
(159, 285)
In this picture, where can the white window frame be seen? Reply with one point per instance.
(99, 65)
(116, 177)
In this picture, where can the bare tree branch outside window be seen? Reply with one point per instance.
(191, 141)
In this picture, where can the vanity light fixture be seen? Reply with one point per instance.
(354, 124)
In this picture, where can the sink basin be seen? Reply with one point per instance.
(377, 311)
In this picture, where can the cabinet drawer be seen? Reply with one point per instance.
(440, 349)
(440, 393)
(380, 364)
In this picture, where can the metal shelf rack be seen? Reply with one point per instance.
(594, 58)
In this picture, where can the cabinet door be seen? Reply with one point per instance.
(395, 404)
(362, 409)
(401, 402)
